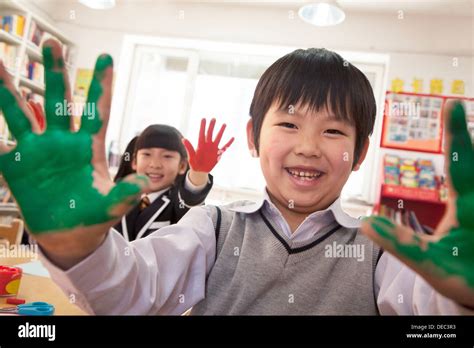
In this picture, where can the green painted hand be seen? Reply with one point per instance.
(445, 260)
(59, 178)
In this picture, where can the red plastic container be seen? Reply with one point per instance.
(10, 280)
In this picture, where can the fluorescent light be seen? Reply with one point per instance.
(98, 4)
(322, 14)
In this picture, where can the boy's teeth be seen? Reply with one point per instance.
(303, 174)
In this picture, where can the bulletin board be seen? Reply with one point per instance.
(413, 122)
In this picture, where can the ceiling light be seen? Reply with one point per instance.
(98, 4)
(322, 14)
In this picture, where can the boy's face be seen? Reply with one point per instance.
(160, 165)
(306, 157)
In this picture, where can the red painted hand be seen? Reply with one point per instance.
(207, 154)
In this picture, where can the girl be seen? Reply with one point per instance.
(160, 154)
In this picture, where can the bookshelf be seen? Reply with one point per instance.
(411, 190)
(22, 33)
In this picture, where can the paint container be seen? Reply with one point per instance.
(10, 280)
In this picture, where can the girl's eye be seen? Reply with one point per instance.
(168, 156)
(146, 154)
(334, 131)
(287, 125)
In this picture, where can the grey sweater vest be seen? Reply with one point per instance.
(259, 271)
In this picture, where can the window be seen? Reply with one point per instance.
(178, 82)
(157, 89)
(224, 89)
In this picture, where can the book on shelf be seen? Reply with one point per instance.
(8, 54)
(405, 217)
(35, 34)
(13, 24)
(33, 70)
(38, 37)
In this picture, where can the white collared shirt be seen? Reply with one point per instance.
(313, 223)
(173, 264)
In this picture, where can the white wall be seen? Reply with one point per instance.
(426, 67)
(274, 24)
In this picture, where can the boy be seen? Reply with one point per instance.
(160, 155)
(311, 117)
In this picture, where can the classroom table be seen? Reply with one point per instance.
(36, 288)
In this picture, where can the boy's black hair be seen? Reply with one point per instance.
(318, 78)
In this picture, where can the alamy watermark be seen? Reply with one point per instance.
(19, 251)
(403, 109)
(336, 250)
(66, 108)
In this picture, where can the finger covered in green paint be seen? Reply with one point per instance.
(92, 122)
(388, 231)
(126, 191)
(56, 108)
(450, 256)
(465, 212)
(461, 154)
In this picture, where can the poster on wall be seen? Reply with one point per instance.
(81, 88)
(413, 122)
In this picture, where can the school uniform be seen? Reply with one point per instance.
(163, 208)
(246, 260)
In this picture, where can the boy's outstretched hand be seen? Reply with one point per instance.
(446, 259)
(207, 154)
(59, 178)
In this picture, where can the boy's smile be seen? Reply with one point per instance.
(306, 158)
(304, 176)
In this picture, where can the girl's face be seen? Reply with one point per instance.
(306, 157)
(161, 166)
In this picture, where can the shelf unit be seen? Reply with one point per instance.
(27, 49)
(425, 203)
(411, 193)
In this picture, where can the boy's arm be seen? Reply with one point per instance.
(446, 259)
(163, 273)
(401, 291)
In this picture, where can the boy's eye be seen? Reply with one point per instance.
(146, 154)
(334, 131)
(168, 156)
(287, 125)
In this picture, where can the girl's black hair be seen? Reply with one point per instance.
(125, 167)
(318, 78)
